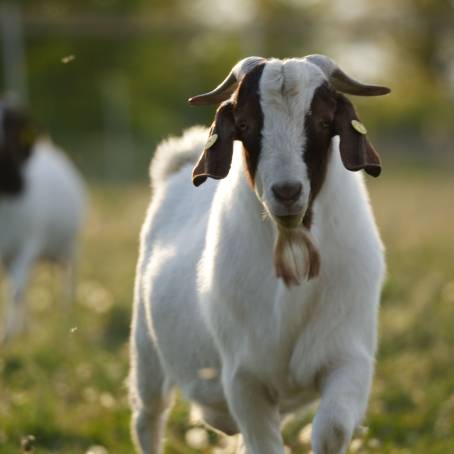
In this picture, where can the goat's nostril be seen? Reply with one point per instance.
(288, 192)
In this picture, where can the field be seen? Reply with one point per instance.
(63, 383)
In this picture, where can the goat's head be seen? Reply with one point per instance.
(286, 113)
(17, 136)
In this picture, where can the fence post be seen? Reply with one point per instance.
(13, 51)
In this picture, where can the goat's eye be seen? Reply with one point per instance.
(243, 127)
(324, 124)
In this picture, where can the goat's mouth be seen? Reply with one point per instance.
(286, 217)
(290, 221)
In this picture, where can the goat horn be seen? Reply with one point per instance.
(342, 81)
(227, 87)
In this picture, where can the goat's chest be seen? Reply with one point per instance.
(285, 352)
(262, 335)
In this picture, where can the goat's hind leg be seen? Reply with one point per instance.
(149, 390)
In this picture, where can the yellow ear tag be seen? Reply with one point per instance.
(359, 127)
(211, 141)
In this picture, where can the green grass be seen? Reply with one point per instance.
(64, 381)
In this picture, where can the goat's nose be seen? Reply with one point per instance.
(288, 192)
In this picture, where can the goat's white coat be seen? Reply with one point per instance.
(40, 223)
(207, 298)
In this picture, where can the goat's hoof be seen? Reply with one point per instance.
(331, 435)
(335, 440)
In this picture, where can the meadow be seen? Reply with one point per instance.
(62, 385)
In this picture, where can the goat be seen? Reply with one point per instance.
(41, 208)
(258, 294)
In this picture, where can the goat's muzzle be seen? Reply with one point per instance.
(289, 222)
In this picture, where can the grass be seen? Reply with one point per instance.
(64, 381)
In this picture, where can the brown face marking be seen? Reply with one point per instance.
(249, 119)
(319, 130)
(16, 139)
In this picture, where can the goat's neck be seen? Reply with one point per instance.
(240, 206)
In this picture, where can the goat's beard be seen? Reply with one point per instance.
(295, 255)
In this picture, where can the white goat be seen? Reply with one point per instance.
(245, 339)
(41, 208)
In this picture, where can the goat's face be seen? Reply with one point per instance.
(16, 139)
(285, 113)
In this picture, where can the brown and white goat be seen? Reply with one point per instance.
(41, 205)
(270, 278)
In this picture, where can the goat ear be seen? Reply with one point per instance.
(356, 151)
(20, 133)
(216, 157)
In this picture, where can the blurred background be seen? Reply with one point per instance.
(108, 79)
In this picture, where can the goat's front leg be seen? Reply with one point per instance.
(18, 272)
(345, 392)
(255, 412)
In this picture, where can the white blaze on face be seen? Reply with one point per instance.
(286, 91)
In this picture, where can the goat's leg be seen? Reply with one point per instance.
(148, 389)
(345, 392)
(255, 412)
(18, 271)
(68, 294)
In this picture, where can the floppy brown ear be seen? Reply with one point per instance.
(356, 151)
(216, 158)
